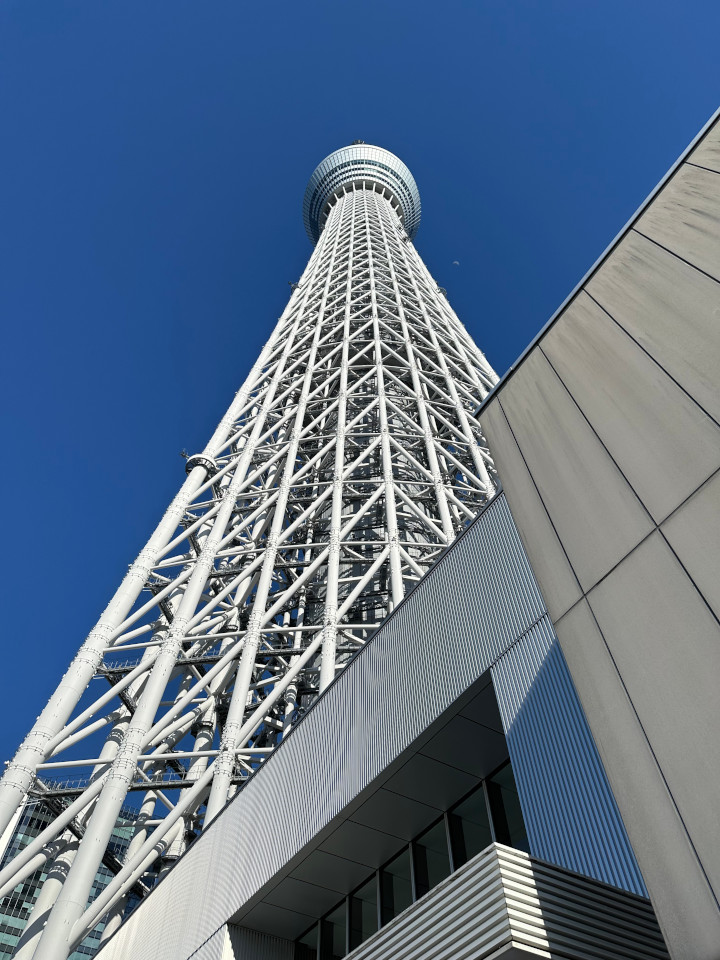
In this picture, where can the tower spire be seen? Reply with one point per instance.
(346, 463)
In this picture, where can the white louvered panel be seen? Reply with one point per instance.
(504, 898)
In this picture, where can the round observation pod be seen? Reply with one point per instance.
(360, 163)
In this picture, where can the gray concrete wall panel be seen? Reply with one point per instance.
(568, 807)
(637, 352)
(686, 218)
(684, 903)
(557, 578)
(696, 542)
(670, 308)
(707, 153)
(673, 661)
(566, 459)
(659, 437)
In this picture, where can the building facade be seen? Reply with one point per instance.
(606, 437)
(463, 733)
(374, 732)
(17, 906)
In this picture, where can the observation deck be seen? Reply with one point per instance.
(360, 163)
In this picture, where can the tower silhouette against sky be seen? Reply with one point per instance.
(347, 462)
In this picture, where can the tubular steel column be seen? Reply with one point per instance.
(344, 466)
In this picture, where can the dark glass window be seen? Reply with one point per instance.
(432, 860)
(363, 913)
(469, 828)
(395, 886)
(306, 946)
(332, 935)
(471, 825)
(505, 809)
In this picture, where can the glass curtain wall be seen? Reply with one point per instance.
(489, 813)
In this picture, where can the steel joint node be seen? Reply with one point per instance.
(201, 460)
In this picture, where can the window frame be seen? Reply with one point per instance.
(409, 849)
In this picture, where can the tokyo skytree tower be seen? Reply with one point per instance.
(346, 463)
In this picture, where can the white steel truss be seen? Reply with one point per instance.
(346, 463)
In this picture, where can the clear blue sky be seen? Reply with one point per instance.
(154, 157)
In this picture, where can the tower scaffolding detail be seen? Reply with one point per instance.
(346, 463)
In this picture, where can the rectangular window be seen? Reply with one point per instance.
(469, 828)
(332, 935)
(492, 810)
(363, 913)
(505, 808)
(432, 859)
(306, 946)
(395, 886)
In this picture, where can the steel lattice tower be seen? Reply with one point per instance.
(346, 463)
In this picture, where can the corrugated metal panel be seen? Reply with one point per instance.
(471, 607)
(503, 897)
(245, 944)
(570, 813)
(213, 949)
(558, 911)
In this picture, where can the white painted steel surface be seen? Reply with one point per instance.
(346, 463)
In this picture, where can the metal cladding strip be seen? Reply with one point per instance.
(464, 916)
(236, 943)
(551, 908)
(569, 809)
(428, 649)
(502, 898)
(249, 945)
(215, 948)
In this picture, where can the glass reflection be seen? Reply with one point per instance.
(395, 886)
(432, 862)
(363, 913)
(505, 808)
(332, 935)
(469, 828)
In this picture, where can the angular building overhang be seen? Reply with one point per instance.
(408, 727)
(463, 745)
(501, 905)
(505, 905)
(606, 436)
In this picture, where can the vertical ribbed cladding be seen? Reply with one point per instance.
(249, 945)
(570, 813)
(478, 600)
(215, 948)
